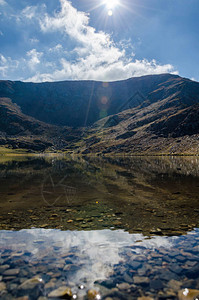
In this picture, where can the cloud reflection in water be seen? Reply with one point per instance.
(94, 252)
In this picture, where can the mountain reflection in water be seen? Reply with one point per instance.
(125, 227)
(152, 195)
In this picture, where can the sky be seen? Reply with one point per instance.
(107, 40)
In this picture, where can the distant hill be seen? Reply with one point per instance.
(155, 113)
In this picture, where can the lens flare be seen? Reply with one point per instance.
(110, 12)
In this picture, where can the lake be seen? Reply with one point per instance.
(99, 228)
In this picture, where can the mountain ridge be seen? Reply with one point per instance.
(152, 110)
(71, 99)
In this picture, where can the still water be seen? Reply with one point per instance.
(93, 228)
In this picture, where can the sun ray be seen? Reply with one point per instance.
(110, 4)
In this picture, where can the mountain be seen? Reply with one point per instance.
(81, 103)
(149, 114)
(22, 131)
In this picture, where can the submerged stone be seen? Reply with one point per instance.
(61, 292)
(156, 284)
(31, 283)
(2, 286)
(135, 264)
(123, 286)
(3, 268)
(141, 280)
(174, 284)
(11, 272)
(188, 294)
(93, 295)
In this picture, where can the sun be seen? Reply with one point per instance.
(110, 4)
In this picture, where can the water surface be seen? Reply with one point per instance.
(125, 227)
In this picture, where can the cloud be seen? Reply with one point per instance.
(7, 65)
(57, 48)
(3, 60)
(29, 12)
(76, 50)
(34, 40)
(2, 2)
(96, 55)
(99, 251)
(3, 68)
(34, 58)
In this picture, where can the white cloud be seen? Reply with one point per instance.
(194, 79)
(2, 2)
(7, 65)
(3, 60)
(91, 54)
(97, 56)
(34, 58)
(58, 47)
(34, 40)
(29, 12)
(99, 251)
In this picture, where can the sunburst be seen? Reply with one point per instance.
(110, 5)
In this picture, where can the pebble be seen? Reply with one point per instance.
(156, 284)
(45, 225)
(175, 285)
(135, 264)
(123, 286)
(3, 268)
(2, 286)
(11, 272)
(195, 249)
(176, 269)
(188, 294)
(156, 231)
(127, 278)
(140, 280)
(193, 272)
(93, 295)
(61, 292)
(8, 278)
(31, 283)
(55, 275)
(49, 285)
(171, 294)
(117, 223)
(54, 215)
(16, 254)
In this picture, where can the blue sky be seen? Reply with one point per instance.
(51, 40)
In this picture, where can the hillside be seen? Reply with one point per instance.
(149, 114)
(149, 130)
(18, 130)
(81, 103)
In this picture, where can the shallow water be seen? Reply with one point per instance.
(125, 227)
